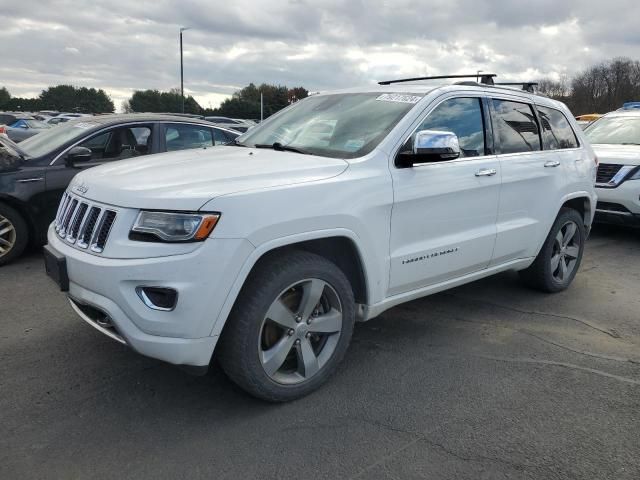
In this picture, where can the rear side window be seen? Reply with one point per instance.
(516, 127)
(556, 130)
(462, 116)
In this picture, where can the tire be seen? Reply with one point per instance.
(14, 234)
(253, 344)
(559, 258)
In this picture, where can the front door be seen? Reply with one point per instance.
(443, 223)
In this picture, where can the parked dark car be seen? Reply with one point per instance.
(35, 173)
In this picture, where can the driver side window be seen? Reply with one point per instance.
(462, 116)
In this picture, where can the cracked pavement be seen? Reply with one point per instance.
(489, 380)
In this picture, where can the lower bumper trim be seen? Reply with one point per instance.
(95, 323)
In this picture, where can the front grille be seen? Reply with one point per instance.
(606, 172)
(83, 224)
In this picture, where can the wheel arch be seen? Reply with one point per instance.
(340, 246)
(581, 202)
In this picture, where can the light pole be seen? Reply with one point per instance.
(182, 29)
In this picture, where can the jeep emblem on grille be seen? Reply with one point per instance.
(82, 188)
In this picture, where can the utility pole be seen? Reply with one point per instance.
(261, 108)
(182, 29)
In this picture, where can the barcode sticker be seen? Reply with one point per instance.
(398, 97)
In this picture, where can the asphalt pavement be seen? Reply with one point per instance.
(489, 380)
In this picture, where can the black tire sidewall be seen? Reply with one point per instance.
(564, 217)
(263, 288)
(22, 233)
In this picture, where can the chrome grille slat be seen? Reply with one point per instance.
(83, 223)
(67, 217)
(89, 226)
(78, 218)
(63, 209)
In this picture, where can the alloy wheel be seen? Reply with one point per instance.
(300, 331)
(566, 250)
(7, 236)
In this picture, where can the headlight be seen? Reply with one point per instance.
(174, 226)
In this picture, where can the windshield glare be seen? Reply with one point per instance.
(53, 138)
(615, 130)
(346, 125)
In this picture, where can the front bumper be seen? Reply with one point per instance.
(102, 292)
(620, 205)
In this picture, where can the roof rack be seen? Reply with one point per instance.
(486, 78)
(526, 86)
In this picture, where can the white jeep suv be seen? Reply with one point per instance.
(333, 210)
(616, 141)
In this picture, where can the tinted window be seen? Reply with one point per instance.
(119, 143)
(221, 137)
(516, 127)
(183, 137)
(556, 130)
(462, 116)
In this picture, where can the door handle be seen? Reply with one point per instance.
(486, 172)
(552, 163)
(30, 180)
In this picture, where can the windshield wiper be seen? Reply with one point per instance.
(282, 148)
(237, 143)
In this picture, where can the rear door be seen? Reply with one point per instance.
(443, 222)
(532, 178)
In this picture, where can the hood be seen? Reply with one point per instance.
(187, 179)
(620, 154)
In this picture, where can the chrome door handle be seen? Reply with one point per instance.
(552, 163)
(30, 180)
(486, 172)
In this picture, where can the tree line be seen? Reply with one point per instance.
(63, 98)
(599, 88)
(244, 103)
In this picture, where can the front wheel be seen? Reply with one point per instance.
(559, 259)
(13, 234)
(290, 327)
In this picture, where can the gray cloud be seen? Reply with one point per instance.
(320, 44)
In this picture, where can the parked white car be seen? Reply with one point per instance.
(269, 250)
(616, 140)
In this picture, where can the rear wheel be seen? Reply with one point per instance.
(290, 327)
(559, 259)
(13, 234)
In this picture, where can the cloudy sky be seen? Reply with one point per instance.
(123, 45)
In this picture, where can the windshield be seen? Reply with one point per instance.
(340, 125)
(615, 130)
(53, 138)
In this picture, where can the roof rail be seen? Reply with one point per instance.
(526, 86)
(486, 78)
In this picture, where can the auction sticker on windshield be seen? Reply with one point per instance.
(398, 97)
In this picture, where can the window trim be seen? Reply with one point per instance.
(578, 144)
(154, 123)
(480, 96)
(497, 144)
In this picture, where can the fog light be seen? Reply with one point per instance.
(158, 298)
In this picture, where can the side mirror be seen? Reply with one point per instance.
(430, 146)
(78, 155)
